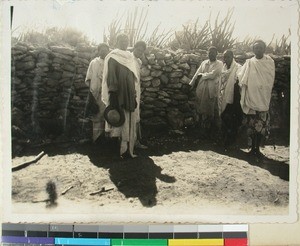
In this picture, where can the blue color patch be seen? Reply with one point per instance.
(82, 241)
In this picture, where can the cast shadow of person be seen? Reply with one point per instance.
(135, 177)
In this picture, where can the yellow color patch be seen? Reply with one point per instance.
(196, 242)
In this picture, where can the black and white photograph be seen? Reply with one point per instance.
(150, 111)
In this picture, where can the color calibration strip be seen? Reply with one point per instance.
(127, 235)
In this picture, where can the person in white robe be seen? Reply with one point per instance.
(94, 81)
(229, 99)
(207, 90)
(256, 80)
(118, 90)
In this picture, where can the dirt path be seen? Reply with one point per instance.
(174, 173)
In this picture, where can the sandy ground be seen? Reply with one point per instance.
(176, 174)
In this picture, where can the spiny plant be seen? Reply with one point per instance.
(135, 26)
(159, 39)
(192, 37)
(283, 46)
(245, 45)
(222, 32)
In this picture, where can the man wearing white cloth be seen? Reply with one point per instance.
(207, 89)
(94, 81)
(118, 90)
(256, 80)
(229, 101)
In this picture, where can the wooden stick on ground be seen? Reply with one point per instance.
(37, 201)
(27, 163)
(101, 190)
(66, 190)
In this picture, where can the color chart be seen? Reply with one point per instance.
(125, 235)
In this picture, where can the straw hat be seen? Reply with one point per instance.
(114, 117)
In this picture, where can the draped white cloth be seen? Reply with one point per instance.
(228, 79)
(127, 132)
(256, 79)
(126, 59)
(94, 81)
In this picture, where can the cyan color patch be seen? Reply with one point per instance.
(82, 241)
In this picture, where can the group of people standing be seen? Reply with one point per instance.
(229, 93)
(226, 93)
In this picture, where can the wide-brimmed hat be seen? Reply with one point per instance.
(114, 117)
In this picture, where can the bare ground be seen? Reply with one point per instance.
(178, 173)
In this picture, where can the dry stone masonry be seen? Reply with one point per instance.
(49, 95)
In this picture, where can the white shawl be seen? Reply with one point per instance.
(126, 59)
(228, 79)
(256, 79)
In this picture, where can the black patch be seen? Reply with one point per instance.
(85, 234)
(207, 235)
(136, 235)
(13, 233)
(186, 235)
(60, 234)
(118, 235)
(36, 234)
(158, 235)
(234, 234)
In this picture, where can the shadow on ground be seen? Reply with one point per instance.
(137, 177)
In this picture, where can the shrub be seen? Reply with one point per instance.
(66, 36)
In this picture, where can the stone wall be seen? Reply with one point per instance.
(49, 94)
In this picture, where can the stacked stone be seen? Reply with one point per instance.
(166, 97)
(280, 101)
(49, 94)
(48, 90)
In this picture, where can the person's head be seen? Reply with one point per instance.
(122, 41)
(259, 48)
(103, 50)
(212, 53)
(139, 49)
(228, 57)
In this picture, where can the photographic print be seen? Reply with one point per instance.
(149, 111)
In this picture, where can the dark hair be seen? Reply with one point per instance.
(141, 44)
(213, 48)
(229, 52)
(120, 36)
(261, 42)
(103, 45)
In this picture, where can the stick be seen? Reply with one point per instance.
(36, 201)
(101, 190)
(25, 164)
(66, 190)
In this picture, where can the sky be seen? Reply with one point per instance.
(252, 18)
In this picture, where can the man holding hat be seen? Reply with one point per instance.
(119, 95)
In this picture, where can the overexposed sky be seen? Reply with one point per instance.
(261, 18)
